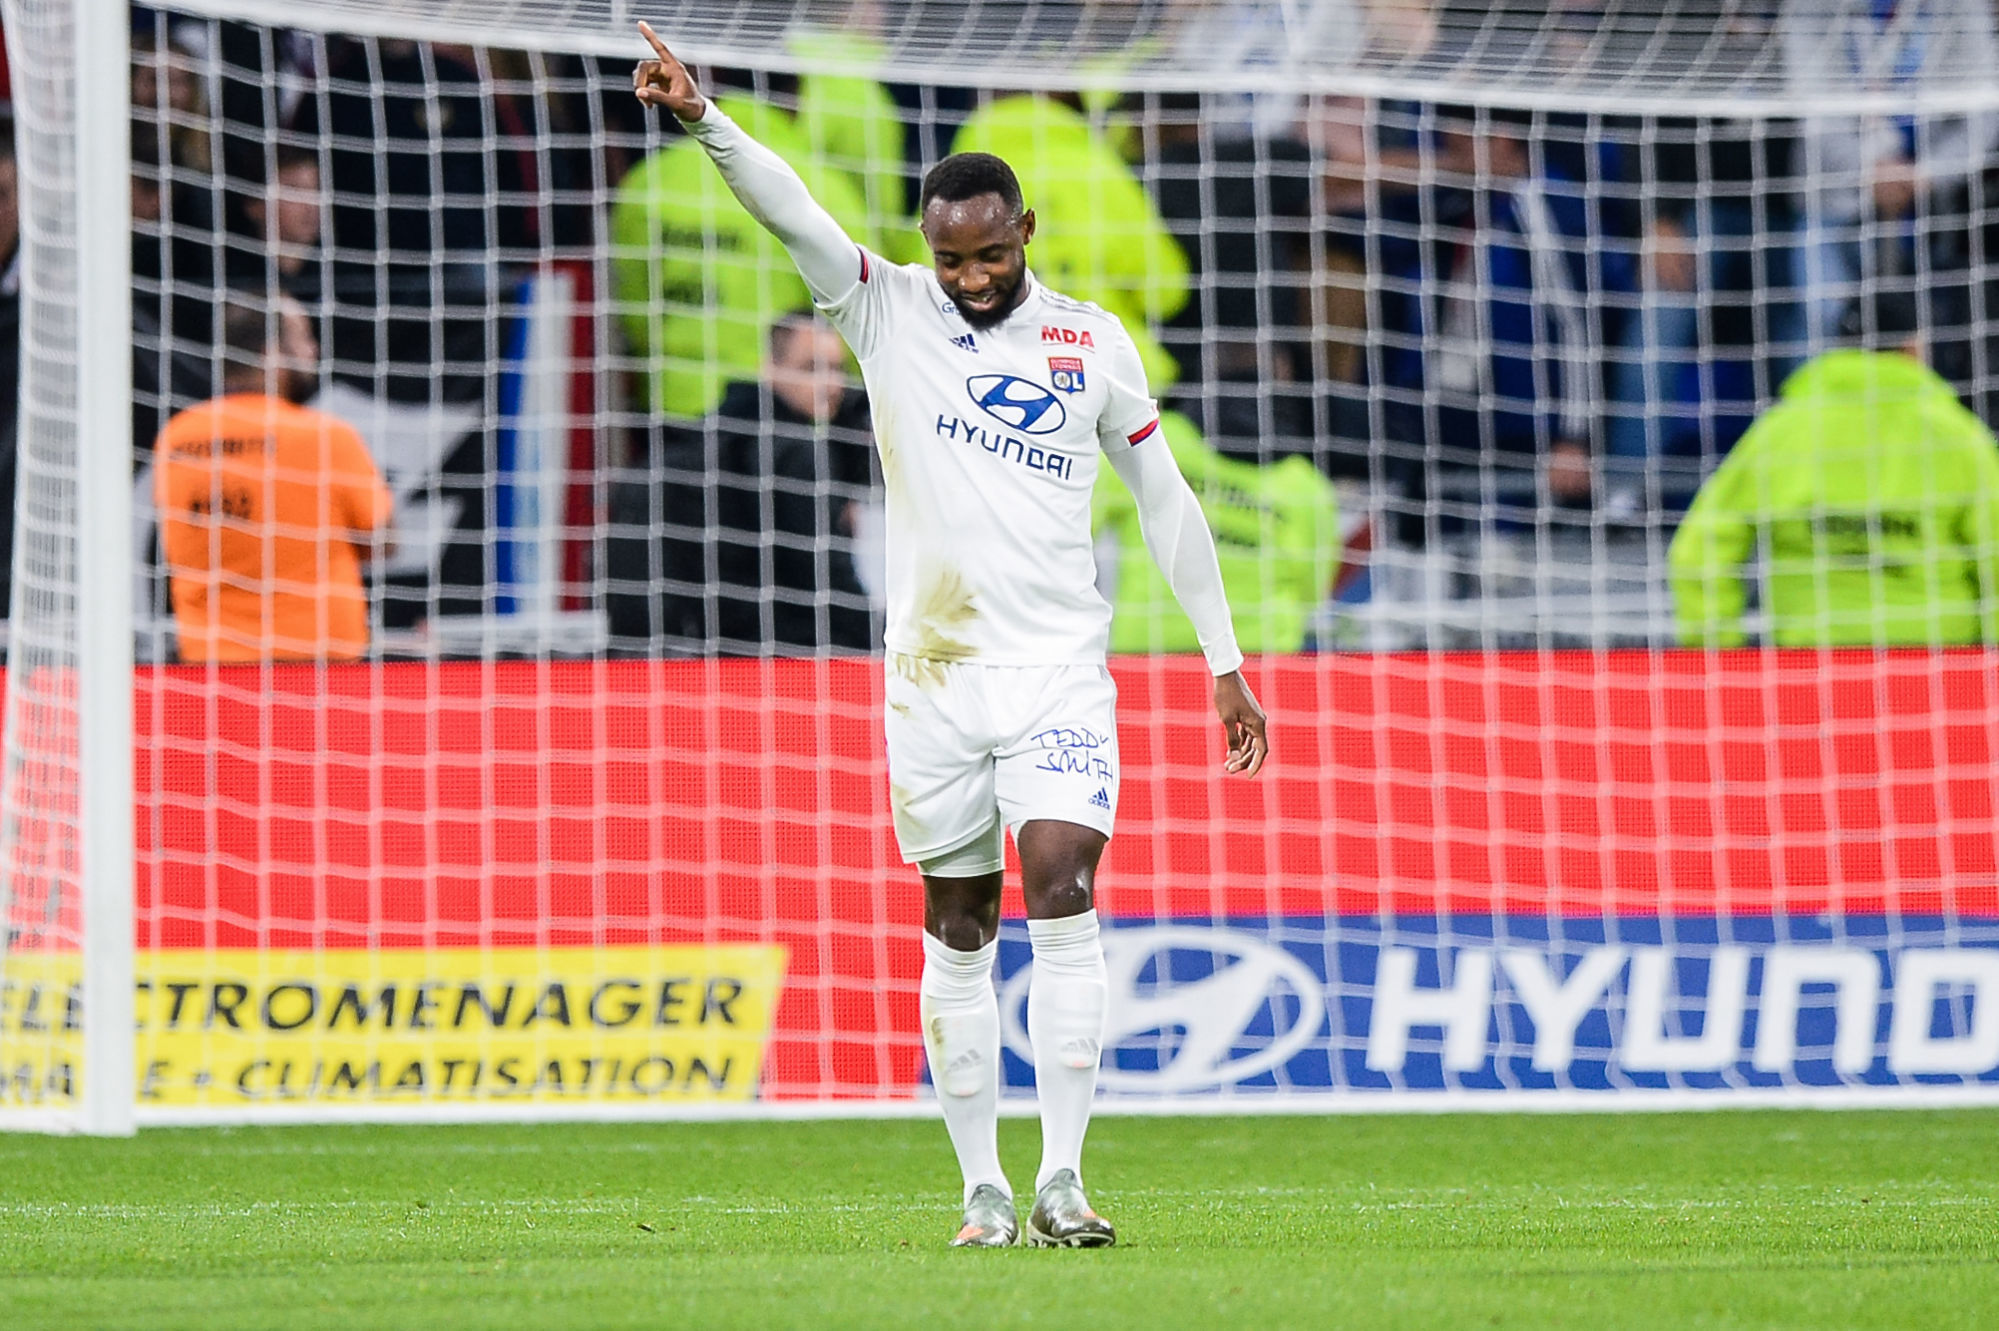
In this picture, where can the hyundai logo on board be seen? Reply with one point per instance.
(1191, 1008)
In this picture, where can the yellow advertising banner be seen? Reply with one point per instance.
(236, 1027)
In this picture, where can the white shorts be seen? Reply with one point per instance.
(974, 747)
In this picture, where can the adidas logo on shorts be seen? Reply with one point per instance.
(1102, 799)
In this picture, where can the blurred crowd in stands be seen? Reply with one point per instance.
(1461, 320)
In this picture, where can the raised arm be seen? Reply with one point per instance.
(827, 258)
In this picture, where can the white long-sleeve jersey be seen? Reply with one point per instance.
(989, 442)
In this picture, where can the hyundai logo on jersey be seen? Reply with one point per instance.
(1027, 407)
(1066, 373)
(1006, 448)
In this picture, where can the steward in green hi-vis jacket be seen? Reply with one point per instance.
(853, 124)
(1098, 235)
(698, 280)
(1277, 534)
(1877, 497)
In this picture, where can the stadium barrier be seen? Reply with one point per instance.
(651, 886)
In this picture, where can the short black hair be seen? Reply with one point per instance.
(1883, 321)
(964, 176)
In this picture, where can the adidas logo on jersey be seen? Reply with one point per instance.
(1102, 799)
(965, 342)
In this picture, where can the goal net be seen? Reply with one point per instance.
(452, 487)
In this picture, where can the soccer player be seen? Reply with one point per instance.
(992, 398)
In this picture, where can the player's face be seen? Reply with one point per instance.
(979, 249)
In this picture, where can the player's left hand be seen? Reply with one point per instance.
(1243, 724)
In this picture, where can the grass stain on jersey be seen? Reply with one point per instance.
(886, 450)
(923, 674)
(943, 610)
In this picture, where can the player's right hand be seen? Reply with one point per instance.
(664, 81)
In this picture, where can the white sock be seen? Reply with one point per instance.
(1065, 1021)
(961, 1035)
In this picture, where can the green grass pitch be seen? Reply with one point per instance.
(1740, 1219)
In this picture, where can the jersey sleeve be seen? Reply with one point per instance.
(1130, 416)
(1176, 533)
(764, 183)
(862, 314)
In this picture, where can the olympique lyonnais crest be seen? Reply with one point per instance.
(1066, 373)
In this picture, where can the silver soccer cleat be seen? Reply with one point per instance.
(1062, 1218)
(989, 1220)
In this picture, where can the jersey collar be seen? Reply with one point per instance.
(1031, 303)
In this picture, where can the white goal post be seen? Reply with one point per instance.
(585, 813)
(72, 706)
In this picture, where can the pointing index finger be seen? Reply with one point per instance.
(652, 39)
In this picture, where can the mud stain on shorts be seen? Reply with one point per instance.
(898, 803)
